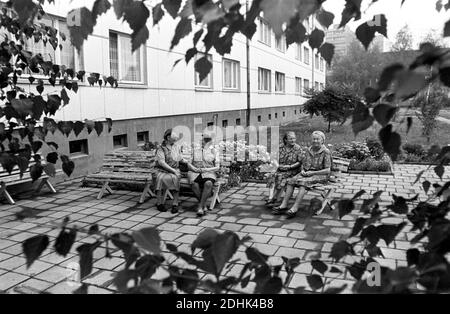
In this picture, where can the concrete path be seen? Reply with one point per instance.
(242, 211)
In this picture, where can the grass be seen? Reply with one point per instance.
(344, 134)
(445, 113)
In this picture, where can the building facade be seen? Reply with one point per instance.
(154, 95)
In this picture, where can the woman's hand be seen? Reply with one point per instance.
(306, 173)
(283, 168)
(176, 172)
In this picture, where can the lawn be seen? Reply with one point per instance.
(445, 113)
(344, 133)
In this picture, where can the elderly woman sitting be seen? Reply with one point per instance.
(290, 157)
(168, 175)
(203, 174)
(316, 168)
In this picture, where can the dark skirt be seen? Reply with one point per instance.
(166, 181)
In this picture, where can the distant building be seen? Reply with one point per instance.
(341, 38)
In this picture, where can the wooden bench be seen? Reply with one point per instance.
(325, 190)
(127, 167)
(7, 180)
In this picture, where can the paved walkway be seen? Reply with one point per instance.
(242, 211)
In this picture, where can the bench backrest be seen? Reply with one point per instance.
(15, 176)
(130, 161)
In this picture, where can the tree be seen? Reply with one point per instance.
(427, 266)
(430, 102)
(433, 37)
(334, 104)
(358, 69)
(403, 40)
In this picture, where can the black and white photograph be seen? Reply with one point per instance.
(227, 154)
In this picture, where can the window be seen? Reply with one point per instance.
(65, 54)
(224, 123)
(208, 80)
(298, 52)
(276, 115)
(265, 33)
(120, 141)
(316, 61)
(79, 147)
(210, 124)
(295, 111)
(125, 65)
(316, 85)
(264, 80)
(306, 55)
(238, 122)
(280, 82)
(305, 85)
(142, 137)
(270, 116)
(231, 74)
(259, 118)
(280, 43)
(298, 85)
(322, 66)
(284, 114)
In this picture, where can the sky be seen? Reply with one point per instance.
(420, 15)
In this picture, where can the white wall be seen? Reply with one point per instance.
(172, 92)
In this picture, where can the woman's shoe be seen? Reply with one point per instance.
(277, 211)
(200, 213)
(175, 209)
(291, 215)
(161, 208)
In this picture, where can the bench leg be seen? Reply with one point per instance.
(4, 192)
(144, 193)
(326, 201)
(168, 195)
(151, 193)
(105, 188)
(40, 186)
(215, 198)
(50, 186)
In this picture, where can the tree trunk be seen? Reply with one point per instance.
(329, 126)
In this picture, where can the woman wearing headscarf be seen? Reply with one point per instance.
(207, 164)
(168, 175)
(316, 168)
(290, 158)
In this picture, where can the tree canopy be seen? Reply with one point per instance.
(335, 104)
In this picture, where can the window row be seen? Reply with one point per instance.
(265, 82)
(80, 147)
(302, 53)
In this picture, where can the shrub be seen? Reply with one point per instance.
(414, 149)
(371, 164)
(354, 150)
(375, 148)
(149, 146)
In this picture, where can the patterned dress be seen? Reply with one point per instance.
(288, 156)
(313, 161)
(164, 179)
(205, 158)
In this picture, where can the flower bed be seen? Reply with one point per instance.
(365, 157)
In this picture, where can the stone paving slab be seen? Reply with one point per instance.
(242, 211)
